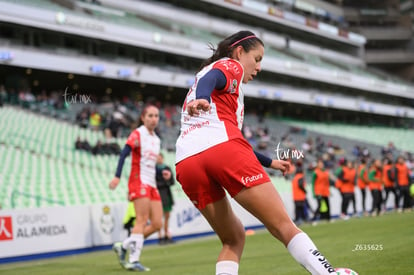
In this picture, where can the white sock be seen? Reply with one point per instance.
(305, 252)
(135, 242)
(227, 268)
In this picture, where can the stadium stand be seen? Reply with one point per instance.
(372, 134)
(42, 167)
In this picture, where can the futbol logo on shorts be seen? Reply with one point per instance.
(143, 191)
(250, 179)
(6, 229)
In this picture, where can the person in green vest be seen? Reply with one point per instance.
(129, 218)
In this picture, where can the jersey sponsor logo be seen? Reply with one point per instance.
(194, 126)
(6, 228)
(250, 179)
(233, 86)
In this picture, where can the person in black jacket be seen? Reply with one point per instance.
(165, 179)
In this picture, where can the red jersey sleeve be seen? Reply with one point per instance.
(233, 71)
(133, 140)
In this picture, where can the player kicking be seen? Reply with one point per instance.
(212, 155)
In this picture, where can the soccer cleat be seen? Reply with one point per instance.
(120, 252)
(136, 266)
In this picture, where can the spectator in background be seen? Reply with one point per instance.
(375, 185)
(115, 124)
(110, 142)
(403, 178)
(320, 183)
(95, 120)
(99, 148)
(103, 148)
(299, 195)
(388, 177)
(339, 177)
(307, 146)
(339, 182)
(410, 161)
(82, 145)
(356, 151)
(365, 152)
(165, 179)
(320, 145)
(362, 182)
(328, 161)
(82, 118)
(129, 218)
(389, 150)
(347, 188)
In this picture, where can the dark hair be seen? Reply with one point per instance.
(246, 39)
(144, 112)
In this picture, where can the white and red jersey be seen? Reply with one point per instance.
(224, 120)
(145, 149)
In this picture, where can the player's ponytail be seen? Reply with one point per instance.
(246, 39)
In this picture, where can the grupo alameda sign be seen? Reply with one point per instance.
(32, 231)
(37, 225)
(28, 226)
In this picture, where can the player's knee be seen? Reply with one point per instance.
(141, 221)
(156, 224)
(235, 236)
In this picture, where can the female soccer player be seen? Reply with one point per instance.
(144, 145)
(212, 155)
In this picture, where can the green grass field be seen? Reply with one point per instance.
(262, 254)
